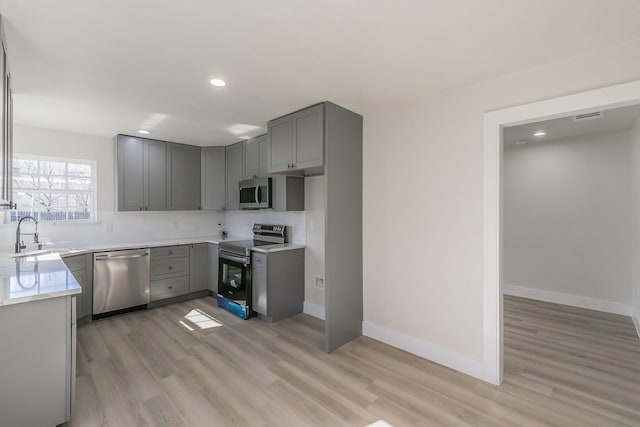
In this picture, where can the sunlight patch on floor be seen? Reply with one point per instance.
(200, 319)
(379, 423)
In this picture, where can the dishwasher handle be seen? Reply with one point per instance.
(108, 257)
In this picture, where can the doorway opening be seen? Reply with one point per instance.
(494, 123)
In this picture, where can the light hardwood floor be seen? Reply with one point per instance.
(563, 366)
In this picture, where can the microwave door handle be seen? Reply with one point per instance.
(257, 195)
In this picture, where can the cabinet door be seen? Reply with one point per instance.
(280, 143)
(263, 158)
(251, 157)
(259, 283)
(155, 175)
(234, 176)
(308, 135)
(183, 177)
(83, 306)
(214, 177)
(213, 268)
(199, 267)
(130, 164)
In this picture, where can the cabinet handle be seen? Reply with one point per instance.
(146, 208)
(139, 209)
(170, 252)
(170, 268)
(170, 287)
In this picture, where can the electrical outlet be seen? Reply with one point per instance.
(319, 283)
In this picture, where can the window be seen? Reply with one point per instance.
(53, 189)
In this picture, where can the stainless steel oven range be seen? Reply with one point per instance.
(234, 268)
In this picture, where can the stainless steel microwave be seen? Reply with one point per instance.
(255, 193)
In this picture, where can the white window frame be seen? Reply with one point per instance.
(93, 191)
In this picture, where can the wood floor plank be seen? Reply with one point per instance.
(193, 364)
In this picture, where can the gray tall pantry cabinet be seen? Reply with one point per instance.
(326, 138)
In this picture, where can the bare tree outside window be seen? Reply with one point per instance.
(53, 189)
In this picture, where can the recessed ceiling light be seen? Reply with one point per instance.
(144, 132)
(540, 133)
(218, 82)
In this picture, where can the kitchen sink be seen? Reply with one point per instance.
(32, 253)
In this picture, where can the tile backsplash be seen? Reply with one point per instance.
(240, 223)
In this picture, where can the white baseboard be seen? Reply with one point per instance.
(567, 299)
(424, 349)
(314, 310)
(636, 320)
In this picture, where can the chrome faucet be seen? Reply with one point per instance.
(19, 243)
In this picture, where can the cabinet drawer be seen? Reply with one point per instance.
(75, 263)
(169, 252)
(171, 267)
(167, 288)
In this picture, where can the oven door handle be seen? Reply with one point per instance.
(241, 260)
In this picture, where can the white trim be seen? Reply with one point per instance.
(568, 299)
(585, 102)
(424, 349)
(635, 315)
(314, 310)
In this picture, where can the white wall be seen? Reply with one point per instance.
(635, 276)
(423, 203)
(567, 216)
(112, 227)
(314, 203)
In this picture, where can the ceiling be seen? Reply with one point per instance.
(104, 67)
(617, 119)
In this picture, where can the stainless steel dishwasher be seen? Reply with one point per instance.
(120, 281)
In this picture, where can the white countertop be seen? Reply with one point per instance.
(277, 247)
(33, 278)
(43, 274)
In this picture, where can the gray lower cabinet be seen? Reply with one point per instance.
(234, 175)
(213, 267)
(141, 174)
(255, 157)
(296, 141)
(214, 176)
(81, 266)
(38, 362)
(183, 177)
(198, 267)
(169, 272)
(277, 282)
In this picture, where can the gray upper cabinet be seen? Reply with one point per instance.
(255, 157)
(183, 177)
(155, 171)
(296, 141)
(142, 170)
(214, 175)
(280, 138)
(234, 175)
(6, 139)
